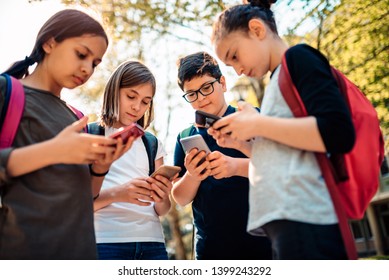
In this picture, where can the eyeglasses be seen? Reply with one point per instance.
(206, 89)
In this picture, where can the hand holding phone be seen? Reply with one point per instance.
(167, 171)
(195, 141)
(205, 119)
(125, 133)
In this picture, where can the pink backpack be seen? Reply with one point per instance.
(13, 110)
(353, 178)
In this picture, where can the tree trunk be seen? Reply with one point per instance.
(178, 243)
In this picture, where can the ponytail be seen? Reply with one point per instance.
(19, 69)
(237, 18)
(261, 3)
(68, 23)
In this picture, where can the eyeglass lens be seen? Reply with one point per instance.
(205, 90)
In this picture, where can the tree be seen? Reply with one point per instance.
(353, 36)
(355, 40)
(352, 33)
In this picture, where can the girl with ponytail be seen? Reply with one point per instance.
(46, 185)
(289, 200)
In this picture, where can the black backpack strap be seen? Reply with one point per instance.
(95, 128)
(151, 144)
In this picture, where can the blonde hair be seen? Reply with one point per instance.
(127, 74)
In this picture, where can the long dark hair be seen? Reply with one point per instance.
(237, 18)
(64, 24)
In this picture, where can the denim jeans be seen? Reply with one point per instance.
(132, 251)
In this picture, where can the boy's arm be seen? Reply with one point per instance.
(185, 189)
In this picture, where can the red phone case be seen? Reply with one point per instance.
(126, 132)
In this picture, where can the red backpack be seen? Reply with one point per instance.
(353, 178)
(13, 110)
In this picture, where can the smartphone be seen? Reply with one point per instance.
(205, 119)
(168, 171)
(133, 129)
(195, 141)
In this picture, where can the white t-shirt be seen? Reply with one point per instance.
(285, 183)
(127, 222)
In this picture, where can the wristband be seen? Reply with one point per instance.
(97, 174)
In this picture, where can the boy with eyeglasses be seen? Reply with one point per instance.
(218, 187)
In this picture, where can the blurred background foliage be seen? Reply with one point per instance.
(353, 34)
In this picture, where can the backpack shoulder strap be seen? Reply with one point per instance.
(13, 111)
(187, 131)
(95, 128)
(78, 113)
(295, 103)
(289, 91)
(151, 144)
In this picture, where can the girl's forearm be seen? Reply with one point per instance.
(161, 208)
(31, 158)
(97, 182)
(242, 167)
(245, 148)
(104, 199)
(300, 133)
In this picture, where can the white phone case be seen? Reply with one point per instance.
(195, 141)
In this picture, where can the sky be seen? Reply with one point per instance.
(20, 22)
(19, 25)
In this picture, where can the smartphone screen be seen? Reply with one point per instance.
(195, 141)
(126, 132)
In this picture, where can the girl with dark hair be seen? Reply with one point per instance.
(130, 203)
(289, 200)
(46, 209)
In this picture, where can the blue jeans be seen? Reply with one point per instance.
(132, 251)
